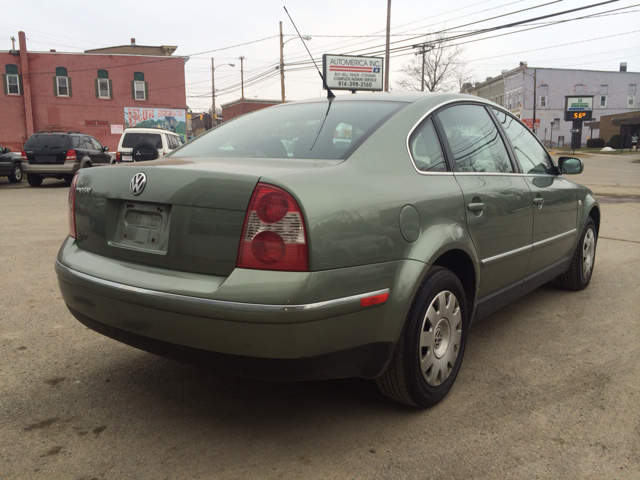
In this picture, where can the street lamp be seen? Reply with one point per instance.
(523, 66)
(282, 42)
(213, 90)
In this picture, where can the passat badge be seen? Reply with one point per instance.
(83, 190)
(138, 182)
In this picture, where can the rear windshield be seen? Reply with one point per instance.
(47, 141)
(331, 130)
(133, 138)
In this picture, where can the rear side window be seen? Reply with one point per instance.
(474, 140)
(46, 141)
(319, 130)
(131, 139)
(530, 154)
(425, 149)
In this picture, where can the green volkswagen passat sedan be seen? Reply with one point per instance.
(353, 237)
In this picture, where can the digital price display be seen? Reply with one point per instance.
(577, 116)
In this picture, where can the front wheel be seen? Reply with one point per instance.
(34, 180)
(431, 346)
(584, 257)
(16, 174)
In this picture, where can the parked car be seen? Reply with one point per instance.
(60, 155)
(368, 261)
(140, 144)
(10, 165)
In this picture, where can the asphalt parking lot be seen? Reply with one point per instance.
(549, 387)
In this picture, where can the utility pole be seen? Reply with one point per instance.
(213, 95)
(424, 48)
(242, 82)
(535, 73)
(281, 63)
(387, 54)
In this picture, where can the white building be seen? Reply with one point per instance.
(613, 93)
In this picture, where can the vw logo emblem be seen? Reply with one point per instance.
(138, 182)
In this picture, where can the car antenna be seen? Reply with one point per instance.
(330, 94)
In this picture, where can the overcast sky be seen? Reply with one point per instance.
(227, 30)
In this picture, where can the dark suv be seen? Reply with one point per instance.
(61, 155)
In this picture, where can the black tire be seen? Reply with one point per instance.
(439, 309)
(34, 179)
(578, 276)
(16, 174)
(144, 151)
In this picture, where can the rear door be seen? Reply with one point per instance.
(555, 199)
(497, 200)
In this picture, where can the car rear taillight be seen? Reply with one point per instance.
(71, 155)
(118, 157)
(273, 235)
(72, 207)
(23, 155)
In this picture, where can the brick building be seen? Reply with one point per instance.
(91, 92)
(245, 105)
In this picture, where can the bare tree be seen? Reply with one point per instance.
(444, 68)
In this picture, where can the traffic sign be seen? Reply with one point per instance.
(574, 130)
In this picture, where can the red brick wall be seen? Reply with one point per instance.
(241, 108)
(164, 76)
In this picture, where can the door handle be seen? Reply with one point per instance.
(476, 207)
(538, 201)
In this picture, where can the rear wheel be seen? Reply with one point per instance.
(16, 174)
(579, 274)
(431, 346)
(34, 179)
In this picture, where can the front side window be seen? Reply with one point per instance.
(426, 150)
(474, 140)
(533, 158)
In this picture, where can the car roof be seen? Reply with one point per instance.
(149, 130)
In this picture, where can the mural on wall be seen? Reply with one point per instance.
(167, 118)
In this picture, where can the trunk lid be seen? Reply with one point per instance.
(188, 215)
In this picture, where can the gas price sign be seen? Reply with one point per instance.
(346, 72)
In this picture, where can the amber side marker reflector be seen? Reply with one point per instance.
(375, 300)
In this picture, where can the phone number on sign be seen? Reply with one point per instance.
(350, 84)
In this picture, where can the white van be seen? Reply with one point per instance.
(139, 144)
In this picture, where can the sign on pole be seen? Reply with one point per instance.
(347, 72)
(578, 108)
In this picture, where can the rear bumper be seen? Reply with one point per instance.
(246, 334)
(366, 361)
(67, 168)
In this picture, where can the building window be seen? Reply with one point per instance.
(139, 90)
(603, 100)
(61, 83)
(631, 101)
(103, 85)
(543, 101)
(12, 81)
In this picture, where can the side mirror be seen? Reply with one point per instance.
(106, 149)
(570, 165)
(5, 149)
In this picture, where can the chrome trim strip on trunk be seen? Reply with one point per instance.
(220, 303)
